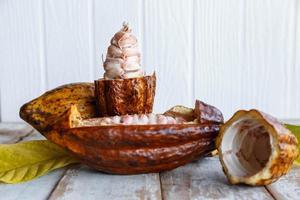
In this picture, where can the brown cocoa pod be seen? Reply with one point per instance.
(43, 111)
(125, 96)
(207, 113)
(255, 148)
(132, 149)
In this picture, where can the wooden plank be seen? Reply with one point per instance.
(218, 27)
(204, 179)
(288, 186)
(294, 73)
(67, 42)
(21, 56)
(244, 56)
(39, 188)
(14, 132)
(168, 49)
(84, 183)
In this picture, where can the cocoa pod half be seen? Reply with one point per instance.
(125, 96)
(207, 113)
(255, 148)
(133, 149)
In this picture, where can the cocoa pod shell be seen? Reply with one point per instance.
(43, 111)
(133, 149)
(255, 148)
(207, 113)
(125, 96)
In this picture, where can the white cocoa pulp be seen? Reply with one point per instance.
(246, 147)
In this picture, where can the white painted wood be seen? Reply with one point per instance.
(168, 49)
(244, 56)
(294, 73)
(84, 183)
(14, 132)
(66, 29)
(218, 37)
(288, 186)
(39, 188)
(20, 55)
(108, 17)
(233, 54)
(204, 179)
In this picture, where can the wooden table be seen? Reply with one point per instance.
(202, 179)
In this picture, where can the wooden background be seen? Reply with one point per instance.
(231, 53)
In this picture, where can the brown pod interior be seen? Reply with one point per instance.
(255, 148)
(125, 96)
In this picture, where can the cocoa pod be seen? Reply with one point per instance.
(43, 111)
(125, 96)
(132, 149)
(203, 113)
(65, 116)
(207, 113)
(255, 148)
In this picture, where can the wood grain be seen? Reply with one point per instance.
(204, 179)
(20, 56)
(244, 56)
(218, 51)
(232, 54)
(294, 81)
(288, 186)
(167, 49)
(84, 183)
(14, 132)
(67, 42)
(39, 188)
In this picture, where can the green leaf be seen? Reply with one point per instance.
(28, 160)
(296, 131)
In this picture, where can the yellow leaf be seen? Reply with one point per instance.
(28, 160)
(296, 131)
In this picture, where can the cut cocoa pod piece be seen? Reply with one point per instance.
(207, 113)
(132, 149)
(255, 148)
(46, 109)
(125, 96)
(181, 112)
(203, 113)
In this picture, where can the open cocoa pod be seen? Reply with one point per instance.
(171, 140)
(125, 96)
(255, 148)
(117, 146)
(46, 109)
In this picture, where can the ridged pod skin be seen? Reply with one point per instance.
(133, 149)
(118, 149)
(125, 96)
(266, 153)
(207, 113)
(46, 109)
